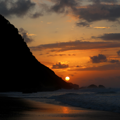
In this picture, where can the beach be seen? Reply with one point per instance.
(23, 109)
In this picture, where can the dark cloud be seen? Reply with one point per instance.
(97, 12)
(18, 8)
(90, 13)
(105, 1)
(47, 53)
(61, 5)
(60, 66)
(75, 45)
(36, 15)
(62, 55)
(99, 58)
(71, 74)
(41, 9)
(102, 58)
(114, 61)
(71, 54)
(84, 24)
(25, 35)
(109, 37)
(99, 68)
(51, 55)
(118, 52)
(57, 55)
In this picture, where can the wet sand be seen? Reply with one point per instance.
(31, 110)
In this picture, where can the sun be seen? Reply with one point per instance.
(67, 78)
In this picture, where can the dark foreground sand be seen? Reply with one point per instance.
(20, 109)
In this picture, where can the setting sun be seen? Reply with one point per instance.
(67, 78)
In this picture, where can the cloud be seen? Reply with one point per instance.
(97, 12)
(99, 58)
(89, 13)
(114, 61)
(102, 27)
(84, 24)
(61, 55)
(105, 1)
(61, 5)
(36, 15)
(102, 58)
(31, 34)
(19, 7)
(75, 45)
(71, 74)
(115, 66)
(60, 66)
(25, 35)
(71, 54)
(109, 37)
(118, 52)
(57, 55)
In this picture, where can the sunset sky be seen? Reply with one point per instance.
(75, 38)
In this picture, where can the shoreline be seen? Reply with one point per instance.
(23, 109)
(12, 106)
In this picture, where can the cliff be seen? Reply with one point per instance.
(20, 70)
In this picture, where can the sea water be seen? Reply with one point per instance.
(97, 98)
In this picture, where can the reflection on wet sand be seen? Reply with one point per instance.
(57, 112)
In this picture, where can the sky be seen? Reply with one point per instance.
(75, 38)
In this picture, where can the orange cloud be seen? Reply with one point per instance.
(75, 45)
(115, 66)
(102, 27)
(60, 66)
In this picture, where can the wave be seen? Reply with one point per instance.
(106, 101)
(97, 99)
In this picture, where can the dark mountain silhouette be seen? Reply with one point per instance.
(74, 86)
(101, 86)
(92, 86)
(20, 70)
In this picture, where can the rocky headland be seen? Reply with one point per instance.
(20, 70)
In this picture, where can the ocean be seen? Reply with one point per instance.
(105, 99)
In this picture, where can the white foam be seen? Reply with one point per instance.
(98, 99)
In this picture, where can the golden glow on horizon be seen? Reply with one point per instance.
(67, 78)
(53, 35)
(102, 27)
(66, 110)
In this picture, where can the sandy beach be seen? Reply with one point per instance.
(22, 109)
